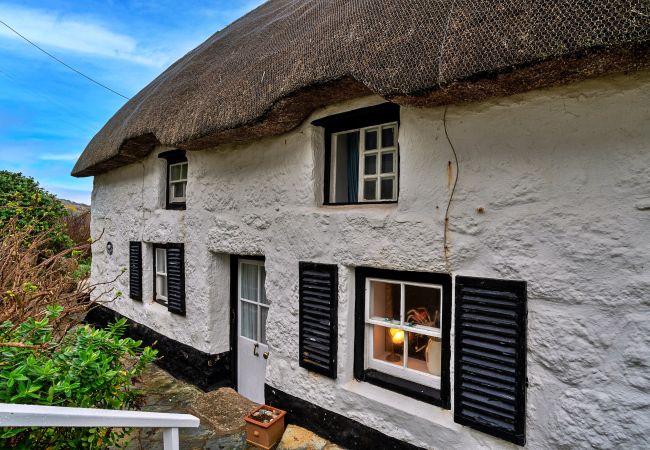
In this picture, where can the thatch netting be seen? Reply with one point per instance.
(267, 71)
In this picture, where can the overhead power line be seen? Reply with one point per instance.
(62, 62)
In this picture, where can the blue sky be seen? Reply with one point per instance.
(48, 113)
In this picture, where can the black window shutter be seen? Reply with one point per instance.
(490, 357)
(176, 278)
(135, 270)
(318, 292)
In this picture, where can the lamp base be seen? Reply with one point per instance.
(393, 357)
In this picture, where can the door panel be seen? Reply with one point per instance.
(252, 349)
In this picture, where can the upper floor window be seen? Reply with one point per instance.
(176, 184)
(361, 155)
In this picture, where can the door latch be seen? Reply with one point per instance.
(265, 355)
(256, 349)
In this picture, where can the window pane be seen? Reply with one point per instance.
(371, 139)
(422, 306)
(175, 172)
(248, 320)
(370, 165)
(345, 168)
(263, 282)
(179, 190)
(387, 162)
(369, 190)
(388, 137)
(264, 312)
(385, 300)
(161, 286)
(161, 260)
(388, 344)
(184, 171)
(424, 353)
(387, 188)
(249, 281)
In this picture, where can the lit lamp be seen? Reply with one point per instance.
(397, 337)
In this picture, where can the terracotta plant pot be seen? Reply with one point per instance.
(264, 426)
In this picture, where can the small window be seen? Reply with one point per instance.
(402, 341)
(161, 275)
(361, 155)
(363, 166)
(404, 330)
(176, 184)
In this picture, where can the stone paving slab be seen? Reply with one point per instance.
(223, 411)
(297, 438)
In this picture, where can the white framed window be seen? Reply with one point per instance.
(403, 330)
(177, 182)
(161, 274)
(364, 164)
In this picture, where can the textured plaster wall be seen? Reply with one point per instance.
(563, 180)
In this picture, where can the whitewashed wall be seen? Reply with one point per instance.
(563, 177)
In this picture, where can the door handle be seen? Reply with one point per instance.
(255, 349)
(265, 355)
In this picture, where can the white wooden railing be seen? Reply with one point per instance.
(57, 416)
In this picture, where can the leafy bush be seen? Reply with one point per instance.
(87, 368)
(46, 356)
(29, 206)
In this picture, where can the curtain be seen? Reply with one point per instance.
(248, 319)
(353, 167)
(249, 282)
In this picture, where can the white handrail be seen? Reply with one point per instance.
(57, 416)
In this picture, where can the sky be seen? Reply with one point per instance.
(48, 113)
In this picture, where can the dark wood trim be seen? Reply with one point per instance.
(332, 270)
(234, 275)
(173, 157)
(360, 118)
(335, 427)
(391, 202)
(135, 279)
(350, 120)
(204, 370)
(234, 280)
(405, 387)
(439, 397)
(494, 286)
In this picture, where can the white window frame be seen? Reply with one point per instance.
(162, 274)
(391, 369)
(258, 304)
(378, 152)
(172, 198)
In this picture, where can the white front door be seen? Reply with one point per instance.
(252, 350)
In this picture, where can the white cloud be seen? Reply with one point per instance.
(76, 34)
(59, 156)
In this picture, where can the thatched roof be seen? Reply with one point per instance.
(266, 72)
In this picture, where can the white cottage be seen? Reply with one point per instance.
(409, 223)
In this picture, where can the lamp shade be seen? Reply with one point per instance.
(397, 335)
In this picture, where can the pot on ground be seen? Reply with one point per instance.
(265, 426)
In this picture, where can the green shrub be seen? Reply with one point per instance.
(30, 206)
(87, 368)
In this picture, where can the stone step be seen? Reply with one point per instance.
(298, 438)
